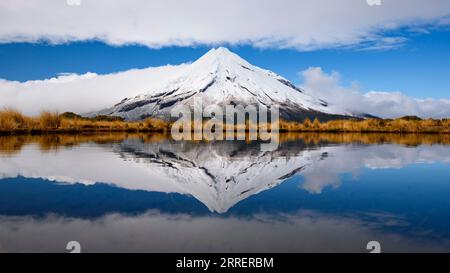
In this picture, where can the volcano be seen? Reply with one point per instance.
(221, 77)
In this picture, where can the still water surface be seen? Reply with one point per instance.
(147, 193)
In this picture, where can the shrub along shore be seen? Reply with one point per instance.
(14, 122)
(407, 124)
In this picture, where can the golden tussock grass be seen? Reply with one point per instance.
(12, 121)
(400, 125)
(50, 120)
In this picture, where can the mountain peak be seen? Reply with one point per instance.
(221, 57)
(221, 77)
(219, 51)
(222, 50)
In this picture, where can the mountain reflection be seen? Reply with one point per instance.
(141, 193)
(218, 174)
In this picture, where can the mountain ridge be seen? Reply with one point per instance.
(222, 78)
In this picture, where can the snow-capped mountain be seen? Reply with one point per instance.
(221, 77)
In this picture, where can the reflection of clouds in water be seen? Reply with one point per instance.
(387, 156)
(316, 180)
(218, 174)
(388, 219)
(155, 232)
(351, 158)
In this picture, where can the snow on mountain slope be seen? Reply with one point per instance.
(221, 77)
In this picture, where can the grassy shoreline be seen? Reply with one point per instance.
(401, 125)
(14, 122)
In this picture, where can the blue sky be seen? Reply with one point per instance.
(419, 68)
(390, 60)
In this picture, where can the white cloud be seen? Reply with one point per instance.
(91, 92)
(382, 104)
(307, 24)
(81, 93)
(302, 231)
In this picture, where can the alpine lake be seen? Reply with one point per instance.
(322, 192)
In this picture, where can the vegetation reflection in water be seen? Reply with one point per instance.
(12, 144)
(301, 197)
